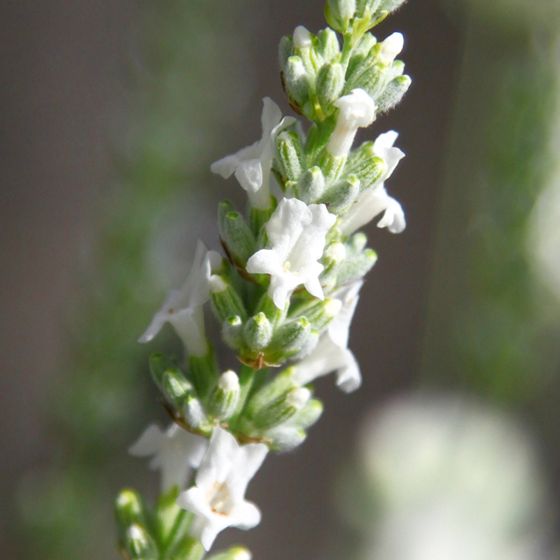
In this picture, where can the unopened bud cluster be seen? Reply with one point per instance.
(283, 290)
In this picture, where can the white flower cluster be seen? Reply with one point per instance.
(286, 290)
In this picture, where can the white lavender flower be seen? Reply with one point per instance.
(296, 234)
(332, 353)
(252, 165)
(183, 307)
(375, 200)
(175, 452)
(217, 498)
(355, 110)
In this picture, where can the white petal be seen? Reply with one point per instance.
(280, 292)
(189, 325)
(288, 222)
(270, 117)
(148, 443)
(348, 377)
(250, 175)
(326, 357)
(313, 286)
(391, 47)
(265, 261)
(218, 459)
(194, 500)
(393, 218)
(208, 536)
(339, 328)
(301, 37)
(174, 300)
(248, 461)
(383, 148)
(226, 166)
(246, 515)
(356, 110)
(368, 205)
(196, 286)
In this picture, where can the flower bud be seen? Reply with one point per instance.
(356, 267)
(311, 185)
(321, 313)
(393, 93)
(257, 332)
(282, 409)
(367, 42)
(342, 195)
(391, 48)
(296, 80)
(309, 414)
(285, 437)
(139, 544)
(358, 242)
(129, 509)
(159, 364)
(235, 233)
(302, 38)
(364, 7)
(194, 414)
(284, 50)
(327, 44)
(288, 341)
(390, 5)
(232, 332)
(225, 396)
(235, 553)
(290, 154)
(269, 392)
(366, 165)
(329, 84)
(338, 14)
(175, 387)
(226, 302)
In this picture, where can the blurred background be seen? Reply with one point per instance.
(111, 113)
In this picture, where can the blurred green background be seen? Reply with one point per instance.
(112, 113)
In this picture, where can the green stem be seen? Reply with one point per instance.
(179, 528)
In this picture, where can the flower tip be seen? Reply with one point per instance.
(146, 337)
(302, 37)
(357, 108)
(229, 381)
(391, 47)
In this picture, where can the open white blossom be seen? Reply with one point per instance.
(218, 497)
(355, 110)
(375, 200)
(296, 234)
(331, 352)
(252, 165)
(175, 452)
(183, 307)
